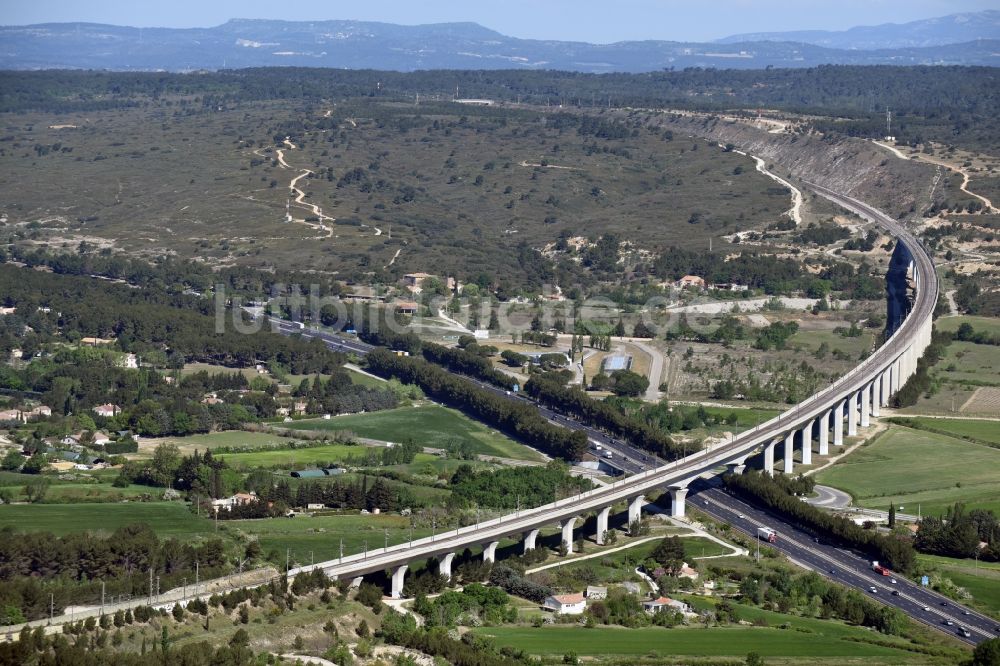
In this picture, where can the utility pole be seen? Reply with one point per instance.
(196, 563)
(151, 586)
(386, 548)
(185, 589)
(342, 548)
(102, 597)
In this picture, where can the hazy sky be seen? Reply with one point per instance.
(587, 20)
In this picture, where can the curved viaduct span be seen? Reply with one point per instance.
(846, 404)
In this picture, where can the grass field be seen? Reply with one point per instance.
(289, 458)
(988, 324)
(318, 538)
(430, 425)
(983, 431)
(60, 491)
(167, 518)
(229, 438)
(967, 361)
(910, 467)
(320, 534)
(746, 417)
(826, 641)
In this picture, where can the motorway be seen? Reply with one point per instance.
(836, 564)
(847, 568)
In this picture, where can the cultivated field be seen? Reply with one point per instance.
(295, 458)
(824, 642)
(319, 534)
(919, 470)
(429, 425)
(983, 431)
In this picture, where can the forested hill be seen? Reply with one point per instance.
(947, 104)
(357, 44)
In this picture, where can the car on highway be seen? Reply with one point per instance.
(895, 593)
(965, 612)
(873, 589)
(965, 632)
(740, 516)
(949, 623)
(927, 608)
(892, 580)
(944, 603)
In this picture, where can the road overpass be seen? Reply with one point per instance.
(825, 418)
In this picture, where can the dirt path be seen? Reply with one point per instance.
(795, 212)
(453, 325)
(394, 258)
(952, 305)
(526, 163)
(989, 207)
(300, 195)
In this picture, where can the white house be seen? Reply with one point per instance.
(101, 438)
(130, 361)
(566, 604)
(596, 592)
(664, 604)
(107, 410)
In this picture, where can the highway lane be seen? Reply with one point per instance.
(848, 568)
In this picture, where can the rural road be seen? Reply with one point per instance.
(829, 498)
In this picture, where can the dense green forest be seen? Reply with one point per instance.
(953, 104)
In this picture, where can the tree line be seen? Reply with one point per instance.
(514, 418)
(72, 567)
(774, 493)
(603, 415)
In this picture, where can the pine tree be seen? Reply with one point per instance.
(892, 515)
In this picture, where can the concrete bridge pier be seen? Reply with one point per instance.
(866, 404)
(852, 414)
(838, 423)
(529, 539)
(398, 578)
(567, 533)
(356, 582)
(737, 466)
(886, 386)
(789, 452)
(444, 566)
(635, 509)
(678, 495)
(824, 434)
(894, 382)
(769, 458)
(602, 524)
(490, 551)
(876, 402)
(807, 447)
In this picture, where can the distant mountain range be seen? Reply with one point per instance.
(952, 29)
(365, 45)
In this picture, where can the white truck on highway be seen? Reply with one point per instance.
(767, 534)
